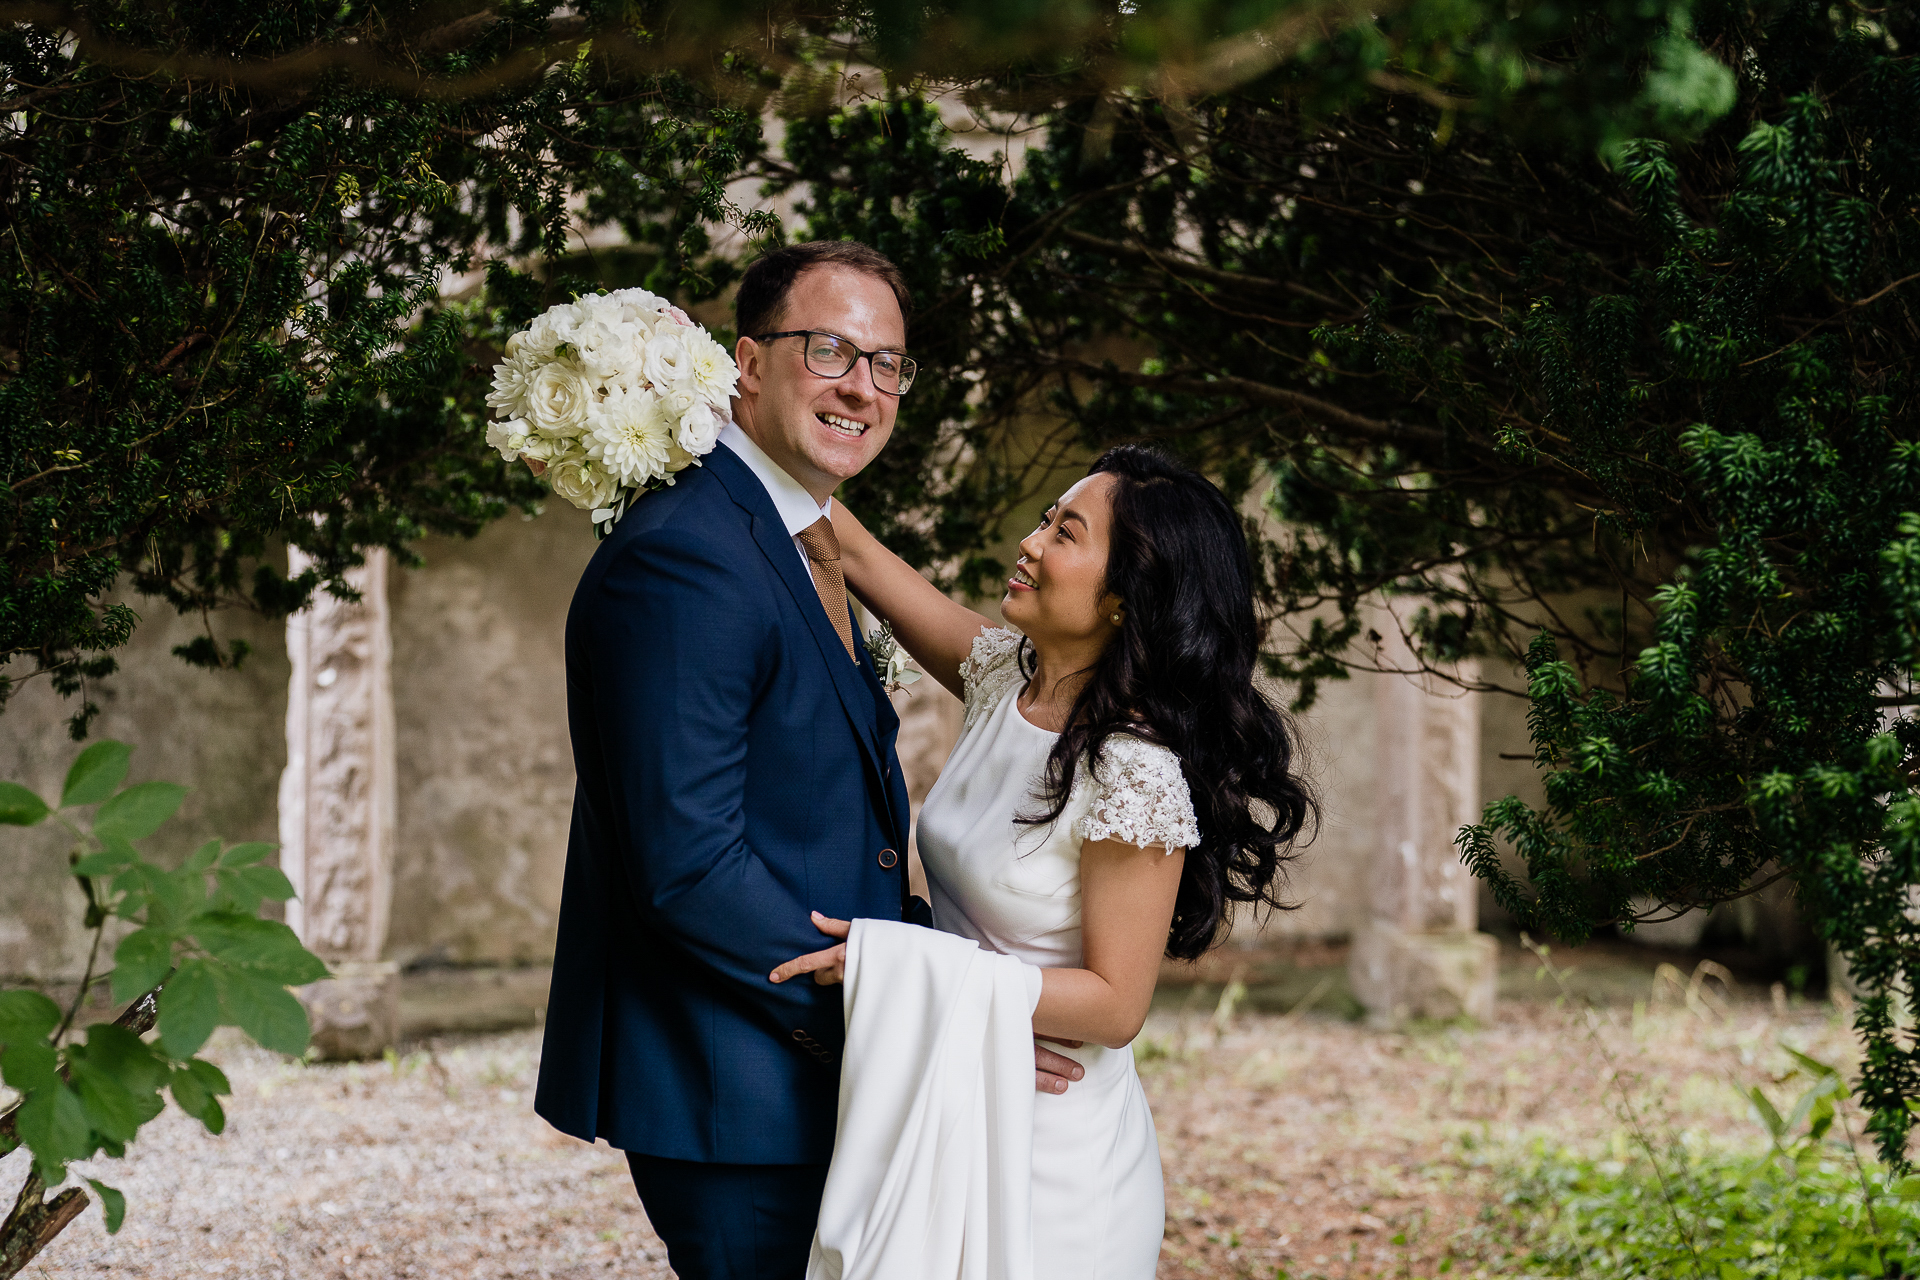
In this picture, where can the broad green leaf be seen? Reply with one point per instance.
(137, 812)
(189, 1009)
(113, 1205)
(26, 1015)
(54, 1124)
(173, 897)
(266, 1011)
(95, 773)
(245, 855)
(30, 1065)
(140, 962)
(203, 857)
(265, 948)
(107, 861)
(130, 1059)
(1769, 1114)
(1908, 1188)
(212, 1078)
(112, 1107)
(268, 882)
(20, 807)
(196, 1095)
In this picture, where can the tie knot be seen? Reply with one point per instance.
(820, 540)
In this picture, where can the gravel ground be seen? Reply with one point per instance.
(1304, 1141)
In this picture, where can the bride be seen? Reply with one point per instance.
(1118, 785)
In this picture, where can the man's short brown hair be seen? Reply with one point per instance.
(766, 284)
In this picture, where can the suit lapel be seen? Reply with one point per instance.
(770, 533)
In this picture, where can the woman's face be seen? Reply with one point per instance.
(1058, 591)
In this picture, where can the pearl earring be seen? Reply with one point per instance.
(1116, 619)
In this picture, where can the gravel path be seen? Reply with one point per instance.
(1308, 1142)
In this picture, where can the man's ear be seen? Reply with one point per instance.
(746, 356)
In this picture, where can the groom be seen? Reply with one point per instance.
(736, 771)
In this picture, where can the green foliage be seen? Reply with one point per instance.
(222, 324)
(197, 943)
(1808, 1210)
(1629, 407)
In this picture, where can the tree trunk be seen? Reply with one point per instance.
(34, 1223)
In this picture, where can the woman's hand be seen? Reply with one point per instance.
(829, 967)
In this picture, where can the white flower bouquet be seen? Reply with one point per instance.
(611, 395)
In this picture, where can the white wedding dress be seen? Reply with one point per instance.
(1099, 1206)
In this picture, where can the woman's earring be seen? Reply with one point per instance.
(1116, 619)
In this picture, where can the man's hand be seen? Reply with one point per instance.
(829, 967)
(1052, 1072)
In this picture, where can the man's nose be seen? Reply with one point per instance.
(857, 383)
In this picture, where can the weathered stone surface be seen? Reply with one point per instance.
(337, 808)
(1418, 954)
(356, 1013)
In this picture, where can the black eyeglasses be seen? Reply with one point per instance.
(831, 356)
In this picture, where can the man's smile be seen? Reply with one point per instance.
(844, 426)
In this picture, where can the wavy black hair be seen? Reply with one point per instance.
(1180, 673)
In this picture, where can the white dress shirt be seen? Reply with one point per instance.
(796, 506)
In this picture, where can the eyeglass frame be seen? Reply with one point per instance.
(858, 355)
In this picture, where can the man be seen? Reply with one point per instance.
(736, 771)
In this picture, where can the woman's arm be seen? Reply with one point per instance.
(1127, 893)
(936, 630)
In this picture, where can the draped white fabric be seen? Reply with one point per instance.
(933, 1161)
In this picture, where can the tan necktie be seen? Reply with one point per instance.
(823, 553)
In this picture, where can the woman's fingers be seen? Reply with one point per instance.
(831, 927)
(827, 967)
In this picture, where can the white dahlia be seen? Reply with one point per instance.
(629, 434)
(711, 374)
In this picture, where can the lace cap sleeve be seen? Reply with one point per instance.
(990, 667)
(1140, 796)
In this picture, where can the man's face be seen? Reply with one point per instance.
(821, 430)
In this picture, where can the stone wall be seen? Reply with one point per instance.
(484, 772)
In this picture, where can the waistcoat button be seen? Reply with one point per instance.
(888, 858)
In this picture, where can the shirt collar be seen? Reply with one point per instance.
(796, 506)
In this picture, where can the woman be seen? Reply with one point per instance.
(1103, 805)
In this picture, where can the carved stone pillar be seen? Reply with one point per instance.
(1419, 955)
(337, 810)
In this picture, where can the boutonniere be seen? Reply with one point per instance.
(890, 661)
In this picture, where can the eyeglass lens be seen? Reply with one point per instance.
(831, 357)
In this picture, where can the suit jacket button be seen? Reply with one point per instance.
(888, 858)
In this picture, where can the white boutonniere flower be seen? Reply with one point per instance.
(890, 661)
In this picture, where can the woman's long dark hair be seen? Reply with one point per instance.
(1180, 673)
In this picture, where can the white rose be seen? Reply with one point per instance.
(668, 363)
(678, 459)
(558, 398)
(711, 374)
(898, 672)
(550, 449)
(551, 328)
(699, 429)
(509, 437)
(609, 351)
(582, 482)
(508, 398)
(638, 300)
(630, 436)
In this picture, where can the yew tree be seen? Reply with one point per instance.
(1616, 391)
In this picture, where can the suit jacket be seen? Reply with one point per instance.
(735, 771)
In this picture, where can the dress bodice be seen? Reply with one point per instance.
(1013, 887)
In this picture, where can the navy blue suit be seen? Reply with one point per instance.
(735, 771)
